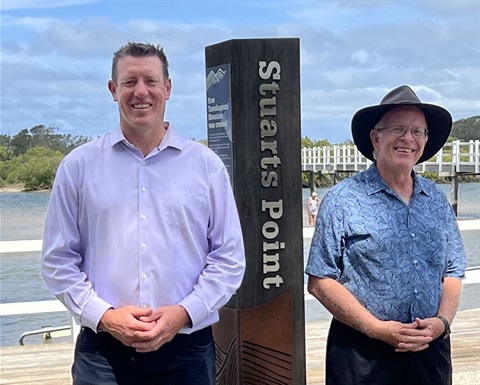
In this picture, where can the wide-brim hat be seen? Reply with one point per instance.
(439, 122)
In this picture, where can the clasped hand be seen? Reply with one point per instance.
(144, 329)
(411, 337)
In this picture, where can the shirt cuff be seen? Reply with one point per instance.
(195, 309)
(93, 312)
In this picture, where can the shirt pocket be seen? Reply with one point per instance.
(185, 205)
(434, 248)
(372, 242)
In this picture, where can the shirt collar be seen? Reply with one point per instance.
(375, 182)
(171, 139)
(116, 136)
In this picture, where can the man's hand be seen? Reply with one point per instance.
(124, 322)
(428, 327)
(168, 321)
(404, 337)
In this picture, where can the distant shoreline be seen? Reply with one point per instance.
(18, 188)
(12, 189)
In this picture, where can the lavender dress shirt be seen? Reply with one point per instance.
(124, 229)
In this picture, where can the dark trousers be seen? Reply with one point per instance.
(100, 359)
(355, 359)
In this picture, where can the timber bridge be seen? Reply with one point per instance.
(454, 159)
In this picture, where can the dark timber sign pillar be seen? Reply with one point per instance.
(253, 117)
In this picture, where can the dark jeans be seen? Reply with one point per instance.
(100, 359)
(355, 359)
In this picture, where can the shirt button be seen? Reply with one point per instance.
(144, 189)
(414, 261)
(415, 291)
(144, 216)
(144, 277)
(144, 246)
(143, 162)
(413, 235)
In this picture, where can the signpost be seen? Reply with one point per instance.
(253, 118)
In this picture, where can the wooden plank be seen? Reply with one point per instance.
(49, 364)
(465, 341)
(46, 364)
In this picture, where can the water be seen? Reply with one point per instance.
(468, 208)
(22, 216)
(468, 199)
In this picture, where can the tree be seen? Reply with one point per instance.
(21, 142)
(467, 129)
(36, 168)
(71, 142)
(46, 137)
(42, 136)
(5, 140)
(5, 154)
(309, 143)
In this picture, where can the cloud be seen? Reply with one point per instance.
(55, 65)
(11, 5)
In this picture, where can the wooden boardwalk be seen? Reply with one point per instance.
(465, 340)
(49, 364)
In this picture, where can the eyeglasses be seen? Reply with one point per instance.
(399, 131)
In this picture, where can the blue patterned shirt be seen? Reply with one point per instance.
(391, 256)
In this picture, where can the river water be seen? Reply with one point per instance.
(22, 218)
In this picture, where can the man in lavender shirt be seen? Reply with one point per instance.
(141, 269)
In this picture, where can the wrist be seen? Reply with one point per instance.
(103, 323)
(446, 324)
(186, 320)
(371, 328)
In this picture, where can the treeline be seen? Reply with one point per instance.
(467, 129)
(31, 157)
(463, 130)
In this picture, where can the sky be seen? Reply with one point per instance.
(56, 57)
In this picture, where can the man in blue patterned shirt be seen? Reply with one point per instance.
(387, 257)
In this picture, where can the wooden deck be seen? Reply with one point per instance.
(49, 364)
(465, 340)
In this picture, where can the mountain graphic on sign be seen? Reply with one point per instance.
(214, 78)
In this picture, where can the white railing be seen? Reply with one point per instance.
(50, 306)
(456, 156)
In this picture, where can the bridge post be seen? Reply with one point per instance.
(253, 105)
(454, 189)
(311, 181)
(334, 178)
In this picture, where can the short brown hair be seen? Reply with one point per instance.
(140, 50)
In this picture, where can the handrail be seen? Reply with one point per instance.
(46, 331)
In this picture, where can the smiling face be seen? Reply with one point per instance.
(141, 92)
(399, 153)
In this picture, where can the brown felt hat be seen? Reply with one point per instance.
(439, 122)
